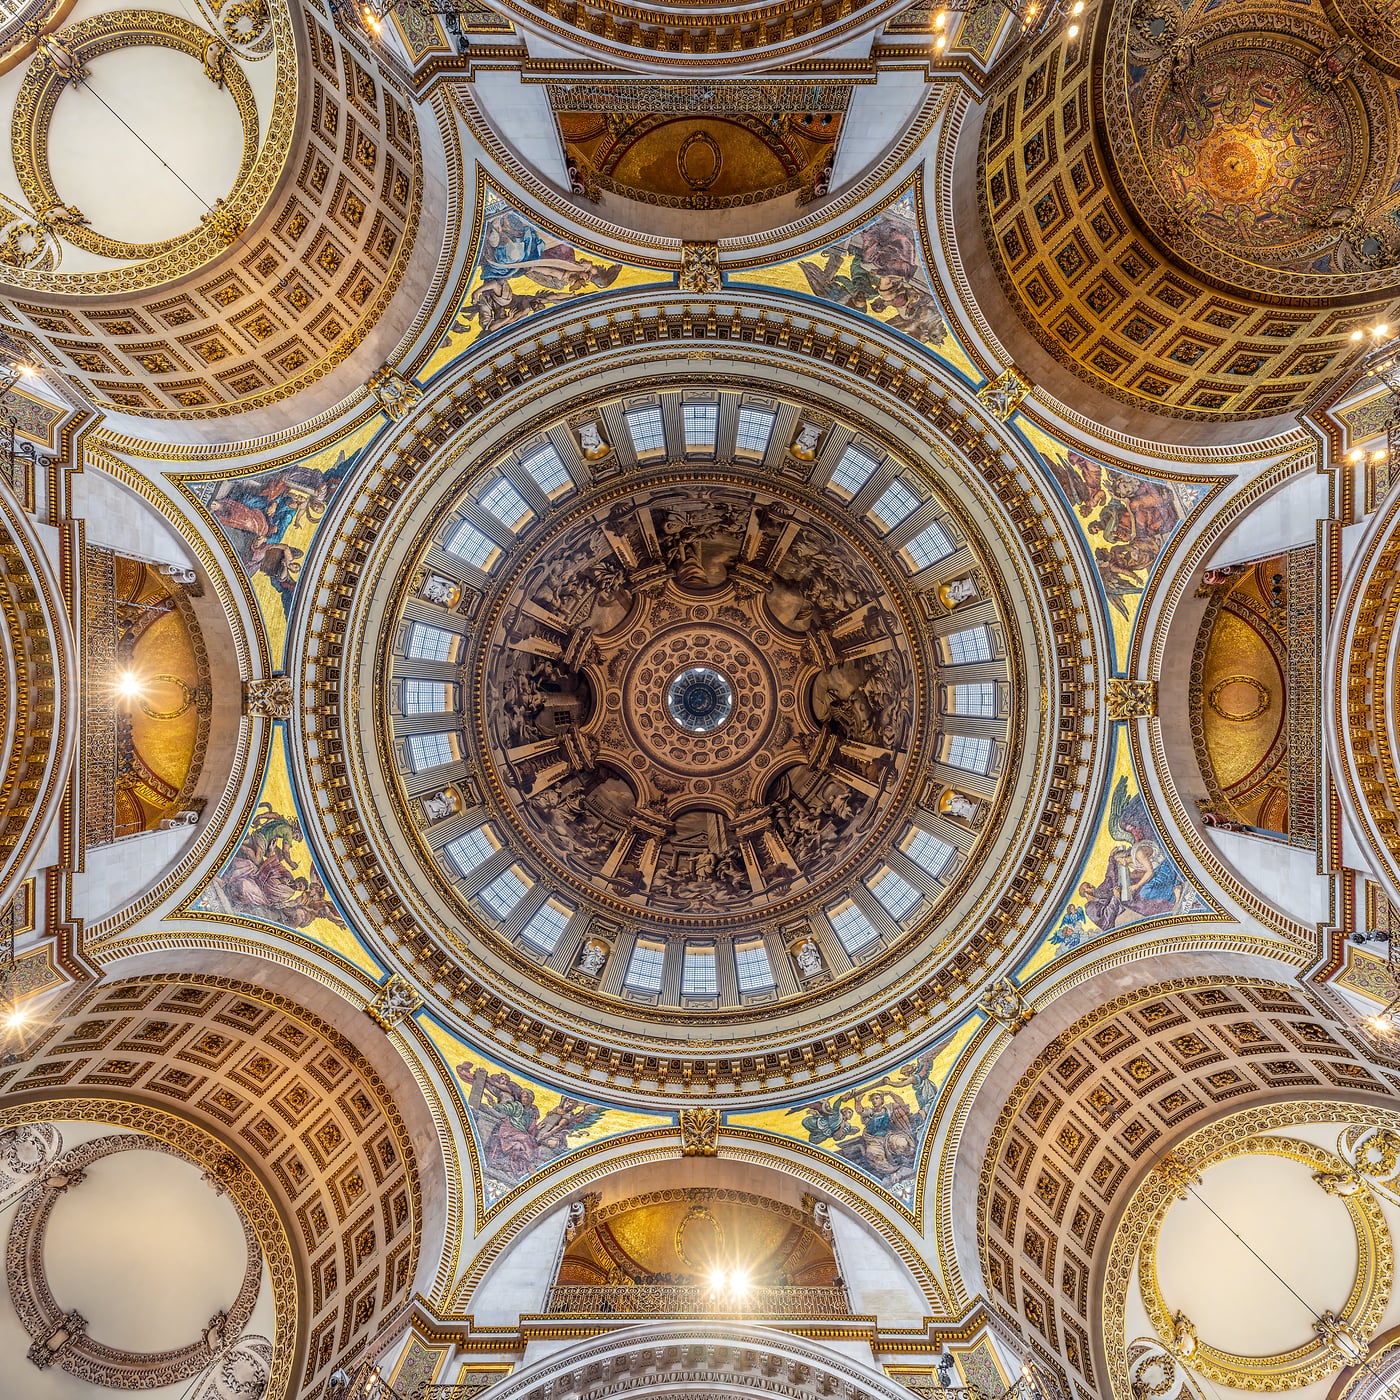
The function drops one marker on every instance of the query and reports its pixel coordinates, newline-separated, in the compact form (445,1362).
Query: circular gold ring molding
(43,85)
(1364,1306)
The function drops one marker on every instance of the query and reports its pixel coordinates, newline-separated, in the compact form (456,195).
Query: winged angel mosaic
(521,269)
(522,1126)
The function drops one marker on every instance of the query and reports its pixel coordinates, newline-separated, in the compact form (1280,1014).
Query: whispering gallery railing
(679,1300)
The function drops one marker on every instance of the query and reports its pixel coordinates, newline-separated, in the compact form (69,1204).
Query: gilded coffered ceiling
(1192,208)
(698,698)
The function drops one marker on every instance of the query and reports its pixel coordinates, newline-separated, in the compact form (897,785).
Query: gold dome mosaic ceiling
(1190,205)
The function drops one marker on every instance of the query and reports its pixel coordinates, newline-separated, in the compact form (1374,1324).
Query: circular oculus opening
(102,154)
(700,699)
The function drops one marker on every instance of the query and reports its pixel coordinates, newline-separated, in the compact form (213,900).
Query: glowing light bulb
(1077,8)
(1073,31)
(1379,456)
(940,19)
(1355,455)
(941,42)
(129,685)
(1381,1023)
(16,1018)
(1380,329)
(1356,335)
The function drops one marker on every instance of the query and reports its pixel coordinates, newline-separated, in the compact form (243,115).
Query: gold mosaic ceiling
(1190,207)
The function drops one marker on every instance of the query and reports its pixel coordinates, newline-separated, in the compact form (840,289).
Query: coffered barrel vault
(698,700)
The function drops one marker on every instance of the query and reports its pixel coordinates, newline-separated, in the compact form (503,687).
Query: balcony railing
(677,1300)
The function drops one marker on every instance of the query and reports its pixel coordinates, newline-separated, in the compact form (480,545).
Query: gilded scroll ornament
(700,267)
(1004,393)
(1129,700)
(268,698)
(396,394)
(396,999)
(699,1132)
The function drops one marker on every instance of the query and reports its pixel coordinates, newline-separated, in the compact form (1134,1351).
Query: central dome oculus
(700,699)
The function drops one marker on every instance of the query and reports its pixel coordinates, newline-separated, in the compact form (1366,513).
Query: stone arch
(1096,1105)
(875,1258)
(698,1359)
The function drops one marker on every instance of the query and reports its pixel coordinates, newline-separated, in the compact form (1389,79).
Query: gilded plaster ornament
(66,65)
(1184,1341)
(1344,1339)
(1178,1174)
(699,1132)
(396,999)
(700,267)
(268,698)
(396,394)
(1129,699)
(216,56)
(1004,1002)
(229,226)
(58,215)
(58,1342)
(1339,1183)
(1004,393)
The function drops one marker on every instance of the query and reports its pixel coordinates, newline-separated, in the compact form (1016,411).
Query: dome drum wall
(459,894)
(721,40)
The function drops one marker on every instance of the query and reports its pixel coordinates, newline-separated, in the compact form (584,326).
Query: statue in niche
(958,804)
(591,442)
(804,445)
(956,591)
(591,958)
(440,805)
(809,958)
(443,591)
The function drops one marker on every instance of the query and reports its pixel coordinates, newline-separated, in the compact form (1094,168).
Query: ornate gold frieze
(699,1132)
(270,697)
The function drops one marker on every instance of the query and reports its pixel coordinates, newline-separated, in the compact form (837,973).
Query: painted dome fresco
(699,700)
(702,700)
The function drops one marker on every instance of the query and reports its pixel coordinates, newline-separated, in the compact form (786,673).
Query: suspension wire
(1312,1312)
(87,84)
